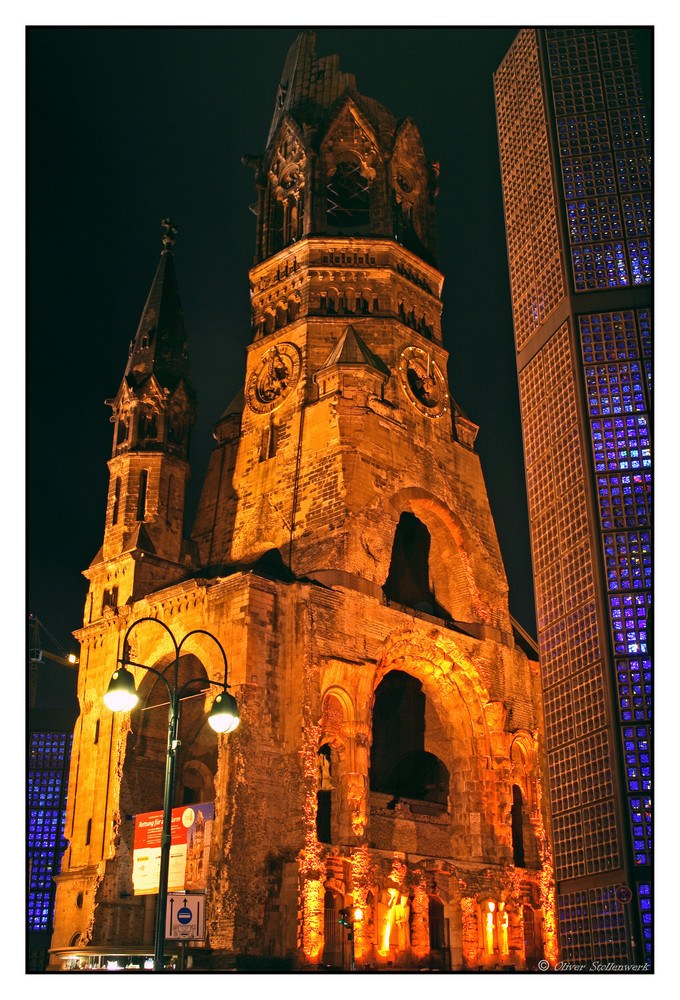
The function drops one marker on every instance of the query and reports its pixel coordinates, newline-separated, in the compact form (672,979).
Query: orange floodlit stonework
(389,757)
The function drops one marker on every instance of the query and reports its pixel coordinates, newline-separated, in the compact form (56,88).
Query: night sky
(126,126)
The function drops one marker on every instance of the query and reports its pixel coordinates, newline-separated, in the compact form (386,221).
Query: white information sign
(185,916)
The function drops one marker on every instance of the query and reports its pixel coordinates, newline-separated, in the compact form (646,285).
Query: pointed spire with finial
(160,346)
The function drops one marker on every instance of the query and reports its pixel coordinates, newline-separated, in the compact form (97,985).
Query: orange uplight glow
(470,931)
(311,866)
(502,924)
(546,883)
(389,921)
(488,930)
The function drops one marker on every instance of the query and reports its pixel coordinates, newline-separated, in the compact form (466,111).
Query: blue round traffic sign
(184,915)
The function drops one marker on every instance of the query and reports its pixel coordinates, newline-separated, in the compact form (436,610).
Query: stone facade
(389,754)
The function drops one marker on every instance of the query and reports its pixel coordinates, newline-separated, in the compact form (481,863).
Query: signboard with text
(189,851)
(185,916)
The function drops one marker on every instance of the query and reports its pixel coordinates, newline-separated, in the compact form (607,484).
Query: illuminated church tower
(574,149)
(389,755)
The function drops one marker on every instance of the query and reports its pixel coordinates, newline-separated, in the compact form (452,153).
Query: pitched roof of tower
(160,346)
(310,86)
(351,350)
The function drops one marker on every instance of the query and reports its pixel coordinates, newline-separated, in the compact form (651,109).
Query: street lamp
(121,696)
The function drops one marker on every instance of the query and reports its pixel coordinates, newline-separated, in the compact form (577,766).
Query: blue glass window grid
(625,501)
(634,677)
(584,135)
(574,920)
(600,265)
(628,560)
(49,756)
(632,170)
(640,261)
(593,219)
(589,176)
(615,388)
(621,443)
(641,827)
(607,924)
(636,743)
(629,614)
(609,337)
(637,214)
(645,903)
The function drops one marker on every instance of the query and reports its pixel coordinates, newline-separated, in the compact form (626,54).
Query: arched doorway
(439,934)
(333,932)
(532,938)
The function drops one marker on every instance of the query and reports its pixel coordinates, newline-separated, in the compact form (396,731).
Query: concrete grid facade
(575,162)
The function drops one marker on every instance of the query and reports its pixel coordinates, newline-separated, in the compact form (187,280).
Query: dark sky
(126,126)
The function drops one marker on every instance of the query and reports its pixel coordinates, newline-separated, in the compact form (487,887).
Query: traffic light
(344,917)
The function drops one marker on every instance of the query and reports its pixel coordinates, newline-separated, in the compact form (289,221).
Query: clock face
(423,382)
(276,374)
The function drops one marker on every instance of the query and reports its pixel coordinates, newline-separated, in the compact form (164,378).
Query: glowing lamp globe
(224,717)
(121,695)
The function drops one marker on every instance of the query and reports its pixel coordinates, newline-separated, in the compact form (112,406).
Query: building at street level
(390,751)
(574,149)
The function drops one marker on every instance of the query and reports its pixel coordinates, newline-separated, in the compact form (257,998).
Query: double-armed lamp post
(122,695)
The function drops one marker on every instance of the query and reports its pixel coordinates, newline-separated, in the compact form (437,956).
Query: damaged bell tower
(389,755)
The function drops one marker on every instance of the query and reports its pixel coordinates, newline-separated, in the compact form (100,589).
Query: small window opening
(141,495)
(324,796)
(88,832)
(96,732)
(116,501)
(110,598)
(517,827)
(264,444)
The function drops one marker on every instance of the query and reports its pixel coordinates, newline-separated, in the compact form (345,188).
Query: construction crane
(37,655)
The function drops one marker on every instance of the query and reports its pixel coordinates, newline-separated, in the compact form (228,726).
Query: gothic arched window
(408,581)
(348,201)
(400,765)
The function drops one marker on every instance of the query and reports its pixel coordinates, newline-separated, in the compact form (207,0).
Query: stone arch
(336,791)
(145,753)
(343,698)
(452,554)
(457,696)
(351,140)
(446,673)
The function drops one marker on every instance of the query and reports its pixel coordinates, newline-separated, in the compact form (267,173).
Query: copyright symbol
(543,965)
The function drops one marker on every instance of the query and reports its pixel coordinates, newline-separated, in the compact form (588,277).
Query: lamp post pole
(223,718)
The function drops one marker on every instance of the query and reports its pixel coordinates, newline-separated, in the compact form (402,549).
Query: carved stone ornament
(406,184)
(422,381)
(274,377)
(286,173)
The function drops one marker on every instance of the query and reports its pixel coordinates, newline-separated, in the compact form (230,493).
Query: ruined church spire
(160,346)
